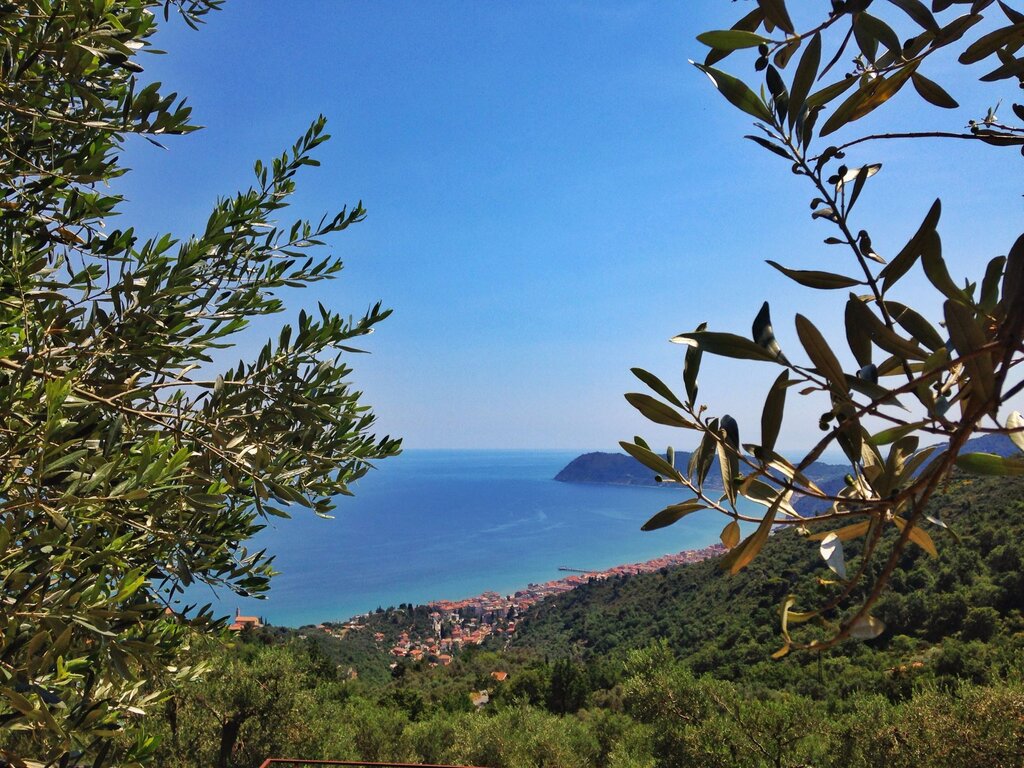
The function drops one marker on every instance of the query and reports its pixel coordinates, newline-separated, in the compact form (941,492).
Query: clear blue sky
(552,191)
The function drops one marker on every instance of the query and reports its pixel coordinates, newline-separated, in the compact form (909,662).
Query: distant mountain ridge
(998,444)
(620,469)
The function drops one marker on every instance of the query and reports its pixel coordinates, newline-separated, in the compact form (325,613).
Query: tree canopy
(136,458)
(901,393)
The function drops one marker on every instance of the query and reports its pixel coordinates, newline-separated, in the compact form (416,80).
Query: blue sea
(428,525)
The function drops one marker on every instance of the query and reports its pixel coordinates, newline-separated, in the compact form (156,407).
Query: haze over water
(428,525)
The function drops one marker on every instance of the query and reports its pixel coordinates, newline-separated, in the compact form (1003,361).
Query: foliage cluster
(130,467)
(897,376)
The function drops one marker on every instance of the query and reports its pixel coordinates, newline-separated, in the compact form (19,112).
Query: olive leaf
(915,325)
(764,336)
(736,92)
(917,11)
(774,407)
(988,44)
(651,460)
(731,534)
(935,268)
(867,323)
(748,23)
(657,411)
(731,39)
(990,464)
(724,344)
(917,535)
(728,449)
(803,78)
(691,367)
(656,384)
(846,533)
(741,556)
(775,12)
(989,297)
(932,92)
(816,279)
(968,337)
(821,355)
(867,98)
(672,514)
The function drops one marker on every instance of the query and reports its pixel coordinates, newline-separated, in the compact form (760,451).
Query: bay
(447,524)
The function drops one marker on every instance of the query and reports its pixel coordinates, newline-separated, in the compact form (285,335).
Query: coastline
(454,624)
(449,525)
(533,593)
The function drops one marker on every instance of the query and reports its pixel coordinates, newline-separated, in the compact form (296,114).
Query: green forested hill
(669,669)
(972,595)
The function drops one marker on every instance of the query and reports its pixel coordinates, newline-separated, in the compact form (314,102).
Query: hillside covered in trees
(972,595)
(671,668)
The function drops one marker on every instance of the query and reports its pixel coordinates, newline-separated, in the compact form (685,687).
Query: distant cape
(621,469)
(607,469)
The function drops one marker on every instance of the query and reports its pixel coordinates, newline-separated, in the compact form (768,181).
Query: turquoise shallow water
(447,524)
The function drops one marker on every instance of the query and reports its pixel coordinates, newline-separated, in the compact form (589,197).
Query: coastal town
(436,632)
